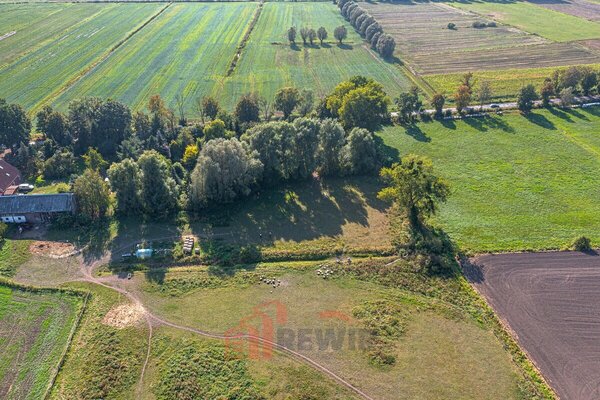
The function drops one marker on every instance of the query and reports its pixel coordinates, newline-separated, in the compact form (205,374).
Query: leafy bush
(451,25)
(582,244)
(479,24)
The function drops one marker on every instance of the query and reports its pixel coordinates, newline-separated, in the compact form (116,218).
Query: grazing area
(38,77)
(427,339)
(550,301)
(518,182)
(35,327)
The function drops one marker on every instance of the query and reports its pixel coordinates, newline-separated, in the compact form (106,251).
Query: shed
(9,176)
(35,208)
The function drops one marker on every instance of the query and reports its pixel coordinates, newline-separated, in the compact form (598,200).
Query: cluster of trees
(310,35)
(366,25)
(357,103)
(226,169)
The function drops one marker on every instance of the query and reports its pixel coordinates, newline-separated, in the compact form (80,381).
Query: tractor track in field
(151,319)
(87,70)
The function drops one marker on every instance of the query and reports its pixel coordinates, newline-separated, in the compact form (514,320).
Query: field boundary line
(86,71)
(580,143)
(241,47)
(63,356)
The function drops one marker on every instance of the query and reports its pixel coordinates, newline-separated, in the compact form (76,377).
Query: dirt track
(552,303)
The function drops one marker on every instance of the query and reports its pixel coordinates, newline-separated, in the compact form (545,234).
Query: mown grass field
(269,62)
(517,183)
(186,51)
(34,330)
(505,84)
(553,25)
(34,25)
(39,76)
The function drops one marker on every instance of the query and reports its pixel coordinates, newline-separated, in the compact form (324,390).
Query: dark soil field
(550,301)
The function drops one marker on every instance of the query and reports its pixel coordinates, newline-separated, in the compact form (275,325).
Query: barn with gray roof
(35,208)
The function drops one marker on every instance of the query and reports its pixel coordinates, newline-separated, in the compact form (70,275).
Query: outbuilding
(35,208)
(9,177)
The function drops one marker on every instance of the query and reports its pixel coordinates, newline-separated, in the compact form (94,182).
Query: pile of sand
(124,315)
(52,249)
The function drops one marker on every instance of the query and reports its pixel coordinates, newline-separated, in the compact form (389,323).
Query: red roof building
(9,176)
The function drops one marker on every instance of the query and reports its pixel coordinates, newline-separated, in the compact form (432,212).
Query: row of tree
(310,35)
(366,25)
(226,169)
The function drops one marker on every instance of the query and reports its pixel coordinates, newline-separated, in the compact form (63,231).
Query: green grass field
(454,355)
(34,330)
(12,254)
(505,84)
(269,62)
(547,23)
(517,183)
(35,25)
(186,50)
(39,76)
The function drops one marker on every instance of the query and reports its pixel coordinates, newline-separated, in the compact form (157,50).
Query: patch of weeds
(204,372)
(386,322)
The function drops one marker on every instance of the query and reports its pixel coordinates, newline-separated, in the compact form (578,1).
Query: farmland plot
(36,78)
(34,329)
(269,62)
(424,40)
(186,50)
(577,8)
(31,26)
(547,23)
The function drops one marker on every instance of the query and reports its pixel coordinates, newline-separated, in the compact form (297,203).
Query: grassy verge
(12,254)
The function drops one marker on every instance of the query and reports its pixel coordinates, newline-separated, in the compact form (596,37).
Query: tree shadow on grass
(294,47)
(448,124)
(326,46)
(576,113)
(417,133)
(540,120)
(345,46)
(557,112)
(388,154)
(483,124)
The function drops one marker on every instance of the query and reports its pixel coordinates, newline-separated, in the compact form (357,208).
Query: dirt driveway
(552,303)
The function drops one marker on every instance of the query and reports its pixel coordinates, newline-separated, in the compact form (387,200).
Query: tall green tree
(248,109)
(414,188)
(286,100)
(340,33)
(527,95)
(158,188)
(329,151)
(359,154)
(322,34)
(54,125)
(125,181)
(225,172)
(15,125)
(92,195)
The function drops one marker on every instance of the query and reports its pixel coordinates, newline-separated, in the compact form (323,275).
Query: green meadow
(517,183)
(35,328)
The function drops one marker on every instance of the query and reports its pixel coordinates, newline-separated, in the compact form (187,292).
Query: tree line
(368,27)
(158,162)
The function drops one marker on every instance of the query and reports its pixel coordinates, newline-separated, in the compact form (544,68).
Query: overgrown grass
(12,254)
(103,361)
(36,326)
(518,183)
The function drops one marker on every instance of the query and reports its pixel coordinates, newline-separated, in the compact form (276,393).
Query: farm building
(35,208)
(10,177)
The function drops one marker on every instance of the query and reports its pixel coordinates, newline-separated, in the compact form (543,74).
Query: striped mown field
(269,62)
(29,27)
(39,76)
(186,50)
